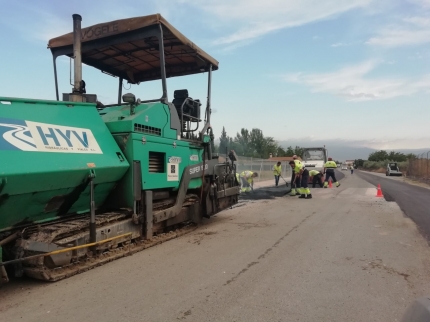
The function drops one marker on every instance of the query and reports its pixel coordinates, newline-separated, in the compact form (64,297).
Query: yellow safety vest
(313,173)
(330,165)
(298,166)
(247,175)
(277,170)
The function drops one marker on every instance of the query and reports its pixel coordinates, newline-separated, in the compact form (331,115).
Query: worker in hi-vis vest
(301,175)
(316,178)
(277,170)
(247,180)
(329,167)
(295,184)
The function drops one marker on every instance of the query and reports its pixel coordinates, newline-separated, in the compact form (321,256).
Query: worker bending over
(301,174)
(295,184)
(247,180)
(316,178)
(277,170)
(329,167)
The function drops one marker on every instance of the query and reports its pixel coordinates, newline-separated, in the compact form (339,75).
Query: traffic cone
(379,191)
(330,185)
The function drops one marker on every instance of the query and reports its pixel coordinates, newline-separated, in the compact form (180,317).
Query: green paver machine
(82,183)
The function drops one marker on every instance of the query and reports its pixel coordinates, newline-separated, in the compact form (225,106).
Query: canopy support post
(164,98)
(120,90)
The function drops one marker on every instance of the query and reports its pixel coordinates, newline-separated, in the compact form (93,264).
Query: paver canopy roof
(129,48)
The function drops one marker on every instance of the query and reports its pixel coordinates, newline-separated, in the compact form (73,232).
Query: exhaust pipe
(78,84)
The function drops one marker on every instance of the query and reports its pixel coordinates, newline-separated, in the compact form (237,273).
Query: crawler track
(82,265)
(65,233)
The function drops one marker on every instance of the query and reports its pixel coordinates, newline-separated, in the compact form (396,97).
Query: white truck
(314,158)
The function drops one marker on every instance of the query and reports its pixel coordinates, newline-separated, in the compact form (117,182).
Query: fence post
(427,164)
(260,174)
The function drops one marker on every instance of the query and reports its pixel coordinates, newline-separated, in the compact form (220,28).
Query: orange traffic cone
(379,191)
(330,185)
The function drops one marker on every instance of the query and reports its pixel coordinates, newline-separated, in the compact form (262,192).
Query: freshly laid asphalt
(413,200)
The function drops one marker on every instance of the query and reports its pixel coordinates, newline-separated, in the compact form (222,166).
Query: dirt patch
(260,224)
(378,264)
(420,182)
(380,170)
(197,238)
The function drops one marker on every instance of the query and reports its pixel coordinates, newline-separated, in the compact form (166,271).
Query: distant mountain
(343,151)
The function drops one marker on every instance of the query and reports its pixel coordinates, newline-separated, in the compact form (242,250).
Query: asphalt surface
(266,190)
(344,255)
(413,200)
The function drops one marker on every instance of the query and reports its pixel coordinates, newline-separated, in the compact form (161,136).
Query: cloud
(406,31)
(418,21)
(339,44)
(397,37)
(52,25)
(354,84)
(44,21)
(254,18)
(421,3)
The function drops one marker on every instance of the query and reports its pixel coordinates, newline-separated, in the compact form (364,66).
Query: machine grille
(156,162)
(147,129)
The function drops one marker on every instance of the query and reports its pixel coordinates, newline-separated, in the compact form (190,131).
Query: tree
(384,155)
(223,141)
(396,156)
(289,152)
(298,151)
(254,144)
(280,152)
(243,141)
(359,162)
(258,143)
(378,156)
(233,145)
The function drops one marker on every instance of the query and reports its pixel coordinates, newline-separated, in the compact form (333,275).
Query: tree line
(253,143)
(384,156)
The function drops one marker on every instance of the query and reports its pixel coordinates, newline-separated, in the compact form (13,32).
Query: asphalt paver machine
(83,183)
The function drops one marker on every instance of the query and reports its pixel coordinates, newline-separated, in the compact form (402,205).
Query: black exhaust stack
(79,84)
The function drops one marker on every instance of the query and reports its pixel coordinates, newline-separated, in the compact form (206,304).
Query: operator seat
(180,96)
(191,107)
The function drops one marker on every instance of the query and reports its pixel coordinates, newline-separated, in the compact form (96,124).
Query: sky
(302,71)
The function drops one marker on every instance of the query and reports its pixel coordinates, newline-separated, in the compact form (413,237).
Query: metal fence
(419,167)
(263,167)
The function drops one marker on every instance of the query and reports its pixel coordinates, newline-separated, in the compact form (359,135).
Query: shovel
(284,180)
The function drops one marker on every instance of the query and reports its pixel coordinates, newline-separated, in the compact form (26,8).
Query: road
(344,255)
(412,199)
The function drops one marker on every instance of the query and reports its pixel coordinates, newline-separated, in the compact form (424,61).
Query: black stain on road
(267,252)
(270,193)
(378,264)
(184,316)
(241,272)
(267,193)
